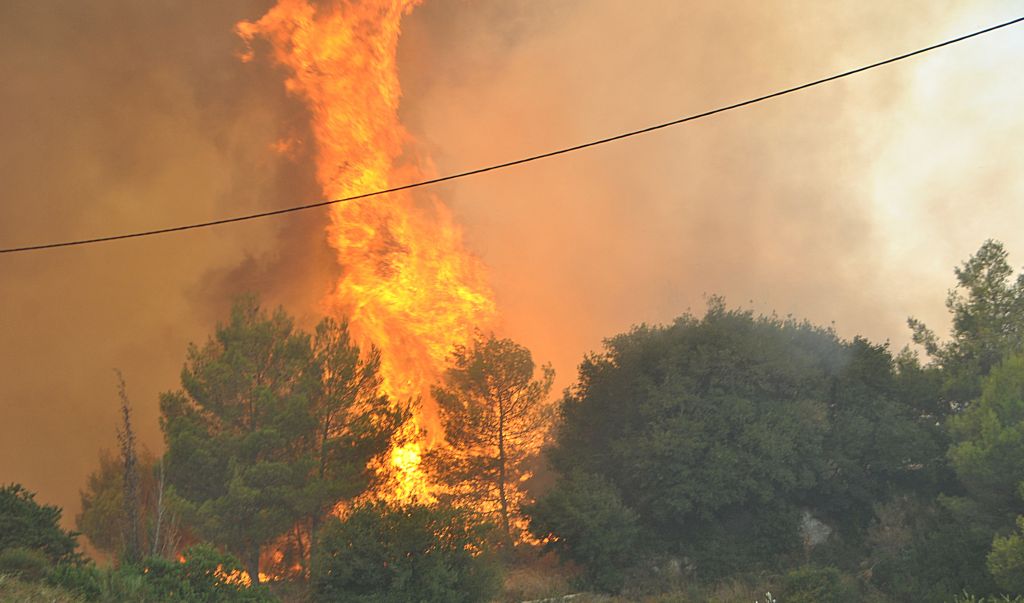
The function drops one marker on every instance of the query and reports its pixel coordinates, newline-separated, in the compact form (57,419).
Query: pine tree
(494,413)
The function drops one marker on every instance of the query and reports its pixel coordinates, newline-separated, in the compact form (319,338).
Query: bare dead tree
(158,526)
(129,459)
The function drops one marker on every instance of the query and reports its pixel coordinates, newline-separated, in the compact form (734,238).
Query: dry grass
(534,582)
(12,589)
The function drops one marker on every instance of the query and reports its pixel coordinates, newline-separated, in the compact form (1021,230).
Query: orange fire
(408,285)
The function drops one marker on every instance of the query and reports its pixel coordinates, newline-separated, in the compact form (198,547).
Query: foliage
(1006,560)
(351,419)
(987,308)
(27,564)
(880,437)
(205,575)
(988,440)
(84,580)
(593,527)
(102,515)
(716,432)
(14,589)
(924,551)
(810,584)
(944,543)
(494,414)
(24,523)
(131,533)
(266,432)
(412,553)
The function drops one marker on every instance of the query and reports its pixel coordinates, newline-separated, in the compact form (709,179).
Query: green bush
(201,578)
(942,553)
(84,580)
(1006,560)
(816,585)
(380,554)
(13,589)
(27,564)
(595,529)
(24,523)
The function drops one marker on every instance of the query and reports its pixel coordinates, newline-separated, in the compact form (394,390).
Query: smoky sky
(116,116)
(847,205)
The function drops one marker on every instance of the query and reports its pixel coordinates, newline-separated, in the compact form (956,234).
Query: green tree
(987,308)
(880,440)
(102,516)
(353,421)
(718,432)
(711,431)
(974,379)
(272,428)
(1006,560)
(26,524)
(101,519)
(932,550)
(494,413)
(379,554)
(988,441)
(131,501)
(988,456)
(231,432)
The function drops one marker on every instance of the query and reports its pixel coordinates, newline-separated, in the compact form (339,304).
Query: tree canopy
(26,524)
(987,312)
(494,414)
(718,432)
(272,427)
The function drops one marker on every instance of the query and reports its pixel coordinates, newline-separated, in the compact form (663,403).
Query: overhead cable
(515,162)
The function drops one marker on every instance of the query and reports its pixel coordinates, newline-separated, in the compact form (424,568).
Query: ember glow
(408,285)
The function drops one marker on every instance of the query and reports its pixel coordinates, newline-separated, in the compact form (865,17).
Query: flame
(408,285)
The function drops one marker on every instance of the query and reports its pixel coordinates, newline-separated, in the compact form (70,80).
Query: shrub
(1006,560)
(381,554)
(593,527)
(206,575)
(84,580)
(13,589)
(816,585)
(24,523)
(30,565)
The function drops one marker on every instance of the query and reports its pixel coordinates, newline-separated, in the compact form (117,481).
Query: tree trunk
(252,564)
(503,498)
(314,526)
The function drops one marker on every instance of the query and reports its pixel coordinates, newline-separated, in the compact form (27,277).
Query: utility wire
(507,164)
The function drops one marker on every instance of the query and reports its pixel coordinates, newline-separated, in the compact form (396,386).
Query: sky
(848,205)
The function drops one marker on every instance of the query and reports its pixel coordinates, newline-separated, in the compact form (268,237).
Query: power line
(507,164)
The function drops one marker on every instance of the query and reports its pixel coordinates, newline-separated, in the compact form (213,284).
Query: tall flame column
(408,284)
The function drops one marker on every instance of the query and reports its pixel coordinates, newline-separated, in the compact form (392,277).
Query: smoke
(121,116)
(846,204)
(849,203)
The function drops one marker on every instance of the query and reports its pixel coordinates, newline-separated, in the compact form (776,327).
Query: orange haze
(850,203)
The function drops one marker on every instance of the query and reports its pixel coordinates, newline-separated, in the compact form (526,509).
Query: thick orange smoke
(407,285)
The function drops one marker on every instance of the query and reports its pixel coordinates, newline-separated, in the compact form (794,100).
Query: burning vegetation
(408,285)
(385,454)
